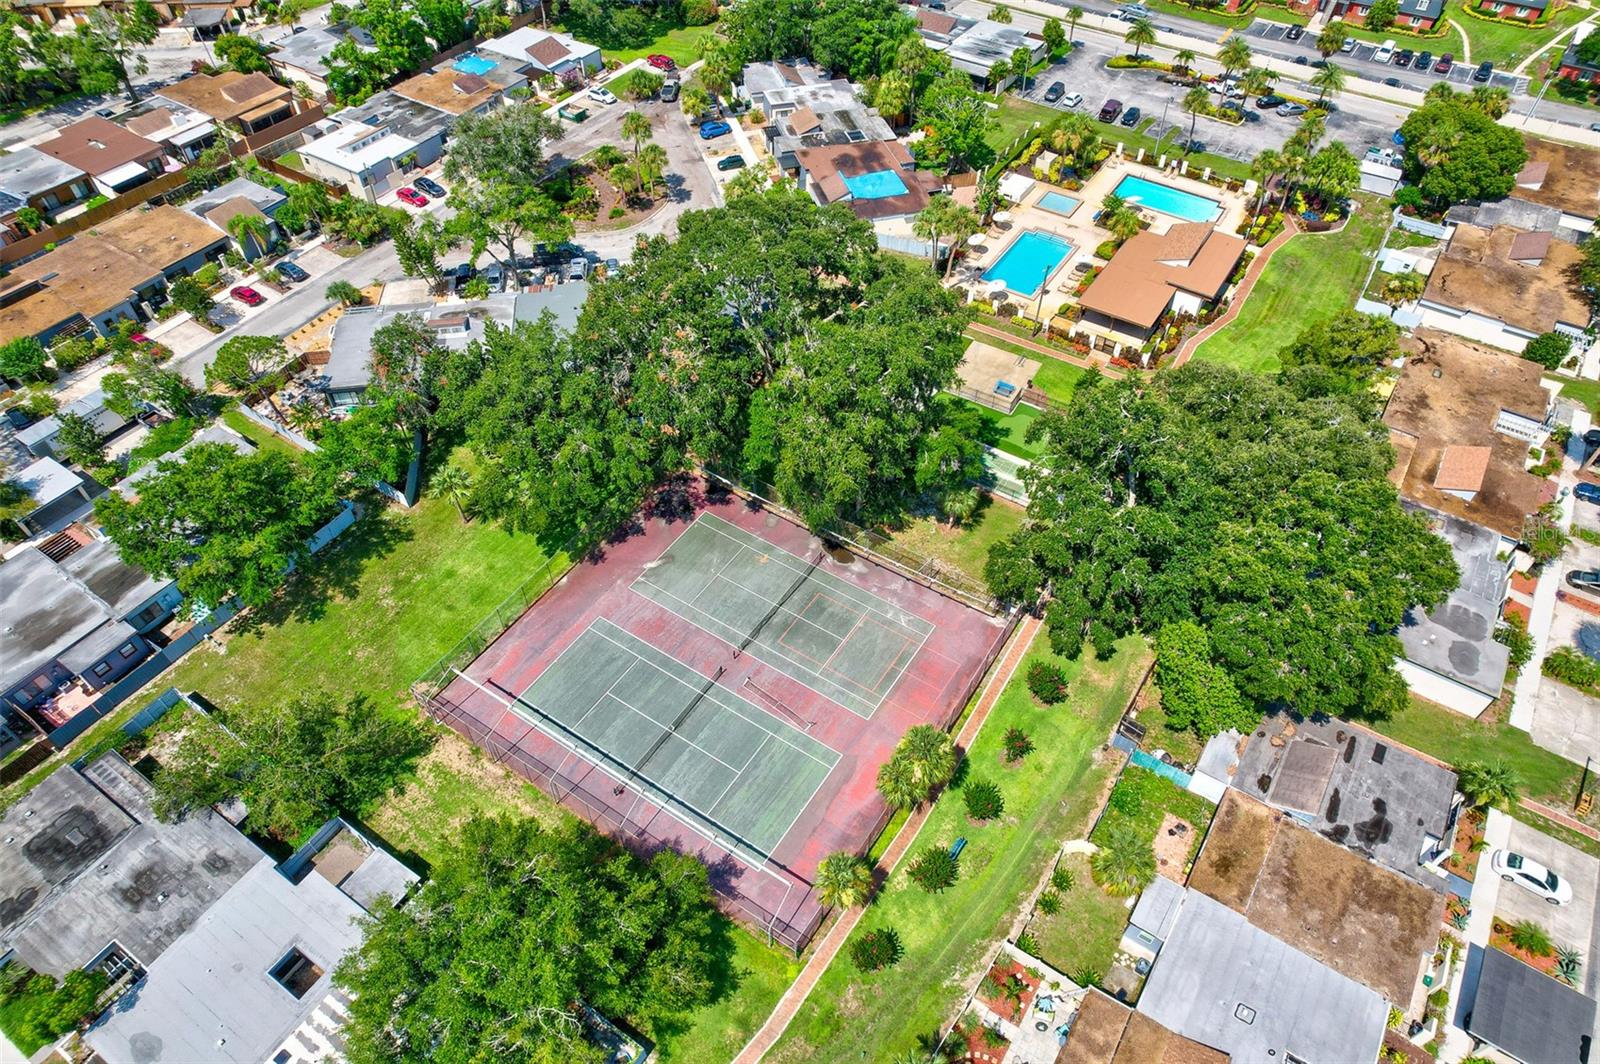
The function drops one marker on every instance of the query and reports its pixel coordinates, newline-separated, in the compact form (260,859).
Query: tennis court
(842,642)
(680,737)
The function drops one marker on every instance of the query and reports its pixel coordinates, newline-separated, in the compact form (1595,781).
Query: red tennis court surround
(718,681)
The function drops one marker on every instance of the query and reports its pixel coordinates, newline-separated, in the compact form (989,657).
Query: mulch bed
(1415,1054)
(979,1051)
(634,209)
(1464,861)
(1500,938)
(1001,973)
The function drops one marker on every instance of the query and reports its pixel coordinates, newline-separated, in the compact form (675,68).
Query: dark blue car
(714,129)
(1588,492)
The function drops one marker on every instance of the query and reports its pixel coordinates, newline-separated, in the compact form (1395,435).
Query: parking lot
(1572,924)
(1359,60)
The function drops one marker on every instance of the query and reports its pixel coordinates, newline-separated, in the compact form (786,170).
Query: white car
(1072,99)
(601,94)
(1385,53)
(1530,875)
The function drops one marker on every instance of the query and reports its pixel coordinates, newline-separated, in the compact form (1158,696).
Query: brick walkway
(1257,266)
(1048,352)
(834,940)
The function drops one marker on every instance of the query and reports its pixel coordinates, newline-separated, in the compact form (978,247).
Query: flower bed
(1500,938)
(1009,974)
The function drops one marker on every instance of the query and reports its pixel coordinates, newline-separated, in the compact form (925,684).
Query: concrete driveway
(1573,924)
(1566,721)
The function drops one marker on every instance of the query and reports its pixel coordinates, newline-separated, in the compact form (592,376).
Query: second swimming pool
(473,63)
(1168,200)
(1058,203)
(1027,264)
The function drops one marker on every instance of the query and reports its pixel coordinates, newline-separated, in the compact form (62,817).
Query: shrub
(1063,878)
(1571,666)
(700,12)
(1106,249)
(878,948)
(209,275)
(344,292)
(983,800)
(1087,976)
(23,359)
(1125,863)
(1549,350)
(69,354)
(1017,744)
(1531,937)
(37,1010)
(1047,682)
(1515,636)
(934,870)
(1028,944)
(1050,902)
(616,212)
(1569,965)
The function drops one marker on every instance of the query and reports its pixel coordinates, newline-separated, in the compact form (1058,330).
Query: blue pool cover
(472,63)
(879,184)
(1168,200)
(1029,262)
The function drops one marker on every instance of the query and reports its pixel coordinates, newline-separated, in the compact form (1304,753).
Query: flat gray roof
(1528,1014)
(308,50)
(1373,798)
(1158,906)
(1224,982)
(100,568)
(407,118)
(266,199)
(1456,639)
(28,172)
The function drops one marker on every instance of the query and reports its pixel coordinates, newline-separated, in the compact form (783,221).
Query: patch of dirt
(1236,847)
(1172,844)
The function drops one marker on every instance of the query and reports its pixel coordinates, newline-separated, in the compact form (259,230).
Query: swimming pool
(1058,203)
(473,63)
(879,184)
(1168,200)
(1027,264)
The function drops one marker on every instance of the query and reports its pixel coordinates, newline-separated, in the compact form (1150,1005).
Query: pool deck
(1079,230)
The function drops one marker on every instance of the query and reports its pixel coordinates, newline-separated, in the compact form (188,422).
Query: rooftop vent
(1244,1013)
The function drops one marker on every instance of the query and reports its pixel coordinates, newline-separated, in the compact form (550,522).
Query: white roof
(357,147)
(125,172)
(1015,186)
(46,480)
(194,133)
(515,44)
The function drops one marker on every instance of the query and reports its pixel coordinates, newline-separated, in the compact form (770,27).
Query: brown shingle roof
(1138,284)
(1476,272)
(548,52)
(936,22)
(803,121)
(1529,247)
(1181,242)
(827,167)
(1462,468)
(228,95)
(97,146)
(227,211)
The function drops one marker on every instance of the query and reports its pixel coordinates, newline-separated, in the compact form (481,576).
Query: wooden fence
(29,246)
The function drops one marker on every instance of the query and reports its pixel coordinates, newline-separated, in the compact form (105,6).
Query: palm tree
(1074,16)
(997,75)
(1328,81)
(843,881)
(1078,139)
(250,229)
(1332,38)
(932,222)
(1125,863)
(652,164)
(1267,165)
(1489,784)
(1141,34)
(1123,223)
(1257,81)
(960,222)
(1021,64)
(930,752)
(1184,58)
(1403,288)
(636,127)
(897,783)
(1439,92)
(1491,100)
(1235,55)
(452,482)
(1196,101)
(893,95)
(1000,14)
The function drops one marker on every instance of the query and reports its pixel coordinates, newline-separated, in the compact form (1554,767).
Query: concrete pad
(317,261)
(186,337)
(1572,924)
(984,365)
(406,290)
(1566,721)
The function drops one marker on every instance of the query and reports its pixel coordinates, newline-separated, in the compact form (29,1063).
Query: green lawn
(257,435)
(1454,738)
(1010,430)
(748,986)
(1507,45)
(851,1016)
(1142,799)
(1058,379)
(1584,391)
(965,548)
(1083,935)
(682,43)
(1016,114)
(1310,278)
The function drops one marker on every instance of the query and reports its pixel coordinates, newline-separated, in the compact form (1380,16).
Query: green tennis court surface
(842,642)
(616,700)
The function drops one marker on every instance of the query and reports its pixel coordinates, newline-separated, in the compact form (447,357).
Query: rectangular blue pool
(1058,203)
(1027,264)
(1167,200)
(879,184)
(473,63)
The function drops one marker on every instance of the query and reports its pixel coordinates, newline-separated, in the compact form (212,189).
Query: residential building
(73,12)
(1105,1031)
(116,159)
(1505,286)
(41,181)
(99,882)
(1225,983)
(303,56)
(77,618)
(41,437)
(1526,1015)
(1154,916)
(1181,271)
(119,270)
(806,109)
(216,432)
(976,45)
(59,495)
(240,103)
(878,180)
(182,132)
(1523,10)
(455,325)
(1350,786)
(1564,177)
(1461,420)
(371,148)
(1575,68)
(452,92)
(538,52)
(1414,14)
(241,196)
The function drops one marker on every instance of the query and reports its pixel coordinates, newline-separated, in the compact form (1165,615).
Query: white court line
(575,725)
(675,735)
(712,579)
(873,602)
(737,776)
(758,724)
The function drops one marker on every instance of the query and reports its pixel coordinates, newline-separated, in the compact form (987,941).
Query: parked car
(1393,83)
(1444,64)
(613,267)
(1192,147)
(1484,72)
(431,187)
(732,162)
(1384,53)
(463,273)
(1348,46)
(714,129)
(248,296)
(1588,492)
(577,268)
(1530,875)
(669,90)
(1292,110)
(1403,57)
(413,197)
(292,271)
(1072,100)
(1130,117)
(1110,110)
(1270,101)
(1054,92)
(1302,60)
(601,94)
(1585,579)
(1594,127)
(1294,33)
(495,274)
(661,62)
(1424,62)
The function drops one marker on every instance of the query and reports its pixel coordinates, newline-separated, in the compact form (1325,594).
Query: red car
(413,197)
(248,296)
(661,62)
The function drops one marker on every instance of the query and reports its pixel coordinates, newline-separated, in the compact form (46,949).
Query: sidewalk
(1236,301)
(1456,1044)
(824,952)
